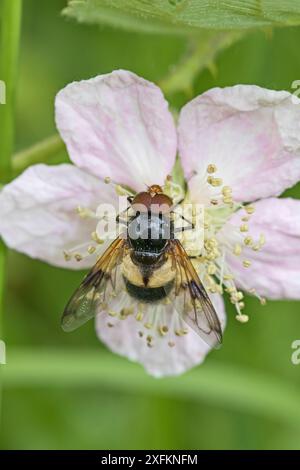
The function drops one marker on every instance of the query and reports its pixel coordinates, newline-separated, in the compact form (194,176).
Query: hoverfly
(151,266)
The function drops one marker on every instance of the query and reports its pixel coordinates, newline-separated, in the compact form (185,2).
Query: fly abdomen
(148,294)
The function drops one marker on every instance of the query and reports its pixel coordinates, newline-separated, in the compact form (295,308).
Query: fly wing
(190,298)
(99,285)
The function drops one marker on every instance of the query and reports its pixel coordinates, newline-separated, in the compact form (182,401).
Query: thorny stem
(201,54)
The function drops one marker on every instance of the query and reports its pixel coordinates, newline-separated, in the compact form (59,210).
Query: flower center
(220,239)
(209,239)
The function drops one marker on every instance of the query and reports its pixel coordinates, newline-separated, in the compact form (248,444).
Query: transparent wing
(99,285)
(190,298)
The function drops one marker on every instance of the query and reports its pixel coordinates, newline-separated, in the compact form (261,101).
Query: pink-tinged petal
(38,212)
(118,125)
(275,269)
(128,338)
(251,134)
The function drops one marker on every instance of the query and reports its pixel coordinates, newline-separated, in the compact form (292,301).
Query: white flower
(237,145)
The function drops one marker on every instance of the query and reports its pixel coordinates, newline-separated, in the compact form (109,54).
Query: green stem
(44,151)
(201,54)
(10,36)
(9,43)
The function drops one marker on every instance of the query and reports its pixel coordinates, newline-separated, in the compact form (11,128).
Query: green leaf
(185,16)
(223,385)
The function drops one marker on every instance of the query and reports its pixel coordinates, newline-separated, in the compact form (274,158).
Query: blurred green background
(65,391)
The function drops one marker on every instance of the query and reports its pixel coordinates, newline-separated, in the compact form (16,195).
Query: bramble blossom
(239,149)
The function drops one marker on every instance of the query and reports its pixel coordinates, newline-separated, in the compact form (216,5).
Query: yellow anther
(107,180)
(237,249)
(96,239)
(67,256)
(181,332)
(250,209)
(241,305)
(244,228)
(226,191)
(246,263)
(214,181)
(230,290)
(214,202)
(242,318)
(228,277)
(148,326)
(227,200)
(78,257)
(84,212)
(139,316)
(262,239)
(163,330)
(211,168)
(91,249)
(112,313)
(240,295)
(211,268)
(219,289)
(212,289)
(125,312)
(120,190)
(256,247)
(248,241)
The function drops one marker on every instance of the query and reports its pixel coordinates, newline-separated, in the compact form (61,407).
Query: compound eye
(161,203)
(141,202)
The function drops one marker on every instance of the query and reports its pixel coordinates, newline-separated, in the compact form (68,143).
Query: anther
(237,249)
(248,241)
(67,256)
(250,209)
(96,239)
(139,316)
(163,330)
(242,318)
(214,181)
(244,228)
(211,168)
(246,263)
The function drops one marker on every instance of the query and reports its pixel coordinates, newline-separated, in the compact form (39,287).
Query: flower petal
(118,125)
(251,134)
(129,338)
(275,270)
(38,212)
